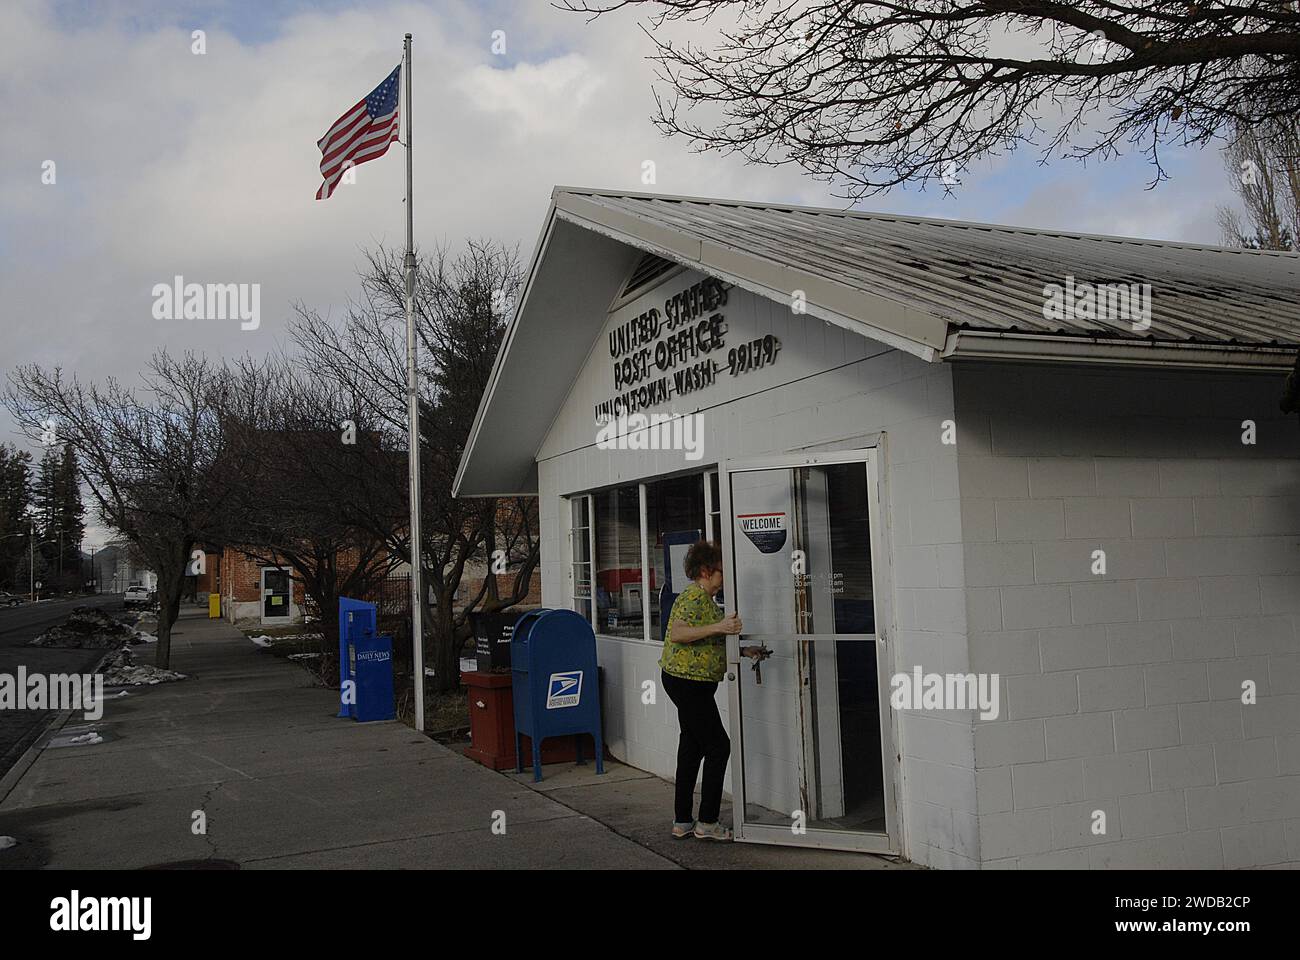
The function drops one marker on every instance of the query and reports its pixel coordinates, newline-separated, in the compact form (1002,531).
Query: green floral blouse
(705,659)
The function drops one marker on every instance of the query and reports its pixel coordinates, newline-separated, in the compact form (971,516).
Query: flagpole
(413,424)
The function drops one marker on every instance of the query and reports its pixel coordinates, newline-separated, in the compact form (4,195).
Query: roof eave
(1007,345)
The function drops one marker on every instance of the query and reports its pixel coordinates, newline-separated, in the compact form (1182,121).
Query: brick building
(256,593)
(253,592)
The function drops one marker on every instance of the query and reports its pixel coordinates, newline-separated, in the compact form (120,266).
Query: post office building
(1016,513)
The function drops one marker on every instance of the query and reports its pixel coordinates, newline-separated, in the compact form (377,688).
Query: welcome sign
(765,530)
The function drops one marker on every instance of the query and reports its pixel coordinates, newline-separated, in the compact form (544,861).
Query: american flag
(362,133)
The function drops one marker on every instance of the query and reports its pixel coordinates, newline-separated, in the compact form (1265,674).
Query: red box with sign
(492,726)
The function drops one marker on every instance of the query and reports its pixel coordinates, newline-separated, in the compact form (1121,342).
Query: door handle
(763,654)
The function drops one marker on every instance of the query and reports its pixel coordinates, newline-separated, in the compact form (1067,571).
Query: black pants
(702,738)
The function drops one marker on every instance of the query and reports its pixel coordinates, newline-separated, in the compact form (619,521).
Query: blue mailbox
(556,692)
(365,664)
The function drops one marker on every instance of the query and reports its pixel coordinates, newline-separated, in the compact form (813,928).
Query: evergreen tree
(60,515)
(15,505)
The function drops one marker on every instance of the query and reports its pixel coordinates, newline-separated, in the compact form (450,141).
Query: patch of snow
(303,656)
(84,740)
(262,641)
(142,637)
(85,628)
(123,671)
(112,696)
(7,842)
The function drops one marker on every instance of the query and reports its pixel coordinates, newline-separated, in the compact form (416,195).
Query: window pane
(850,544)
(579,512)
(581,581)
(580,556)
(715,507)
(674,506)
(619,599)
(579,536)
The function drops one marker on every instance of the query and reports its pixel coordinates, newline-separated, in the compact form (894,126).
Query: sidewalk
(283,783)
(638,805)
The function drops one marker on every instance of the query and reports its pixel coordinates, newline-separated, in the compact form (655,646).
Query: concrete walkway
(639,805)
(252,744)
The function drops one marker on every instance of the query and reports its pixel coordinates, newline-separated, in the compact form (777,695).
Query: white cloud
(205,166)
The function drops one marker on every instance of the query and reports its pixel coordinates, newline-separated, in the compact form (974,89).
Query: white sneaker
(683,829)
(712,831)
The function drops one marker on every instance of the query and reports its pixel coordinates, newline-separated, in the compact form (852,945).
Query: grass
(290,639)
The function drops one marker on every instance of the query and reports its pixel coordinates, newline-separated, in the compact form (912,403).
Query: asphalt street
(18,625)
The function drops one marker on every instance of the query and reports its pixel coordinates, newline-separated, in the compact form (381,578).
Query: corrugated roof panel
(990,277)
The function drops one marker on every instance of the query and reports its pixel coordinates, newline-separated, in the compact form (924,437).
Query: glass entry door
(275,594)
(813,761)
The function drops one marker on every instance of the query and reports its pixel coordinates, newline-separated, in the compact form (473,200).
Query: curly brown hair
(702,556)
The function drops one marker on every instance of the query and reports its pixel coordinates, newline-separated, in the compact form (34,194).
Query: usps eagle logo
(564,690)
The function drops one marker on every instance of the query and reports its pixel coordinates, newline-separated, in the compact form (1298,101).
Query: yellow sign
(214,606)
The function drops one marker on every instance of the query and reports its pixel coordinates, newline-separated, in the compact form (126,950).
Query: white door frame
(869,842)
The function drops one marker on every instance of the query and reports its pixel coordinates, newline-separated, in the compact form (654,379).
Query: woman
(693,663)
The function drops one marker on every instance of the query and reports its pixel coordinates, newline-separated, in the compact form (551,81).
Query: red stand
(492,726)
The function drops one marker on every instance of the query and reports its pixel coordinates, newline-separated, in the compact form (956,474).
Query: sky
(169,162)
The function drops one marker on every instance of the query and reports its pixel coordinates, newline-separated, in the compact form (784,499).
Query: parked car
(137,597)
(10,599)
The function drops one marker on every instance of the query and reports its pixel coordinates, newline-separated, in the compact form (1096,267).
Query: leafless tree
(147,457)
(319,495)
(869,94)
(1263,164)
(460,305)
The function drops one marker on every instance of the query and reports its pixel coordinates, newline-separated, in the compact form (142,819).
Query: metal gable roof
(985,277)
(939,289)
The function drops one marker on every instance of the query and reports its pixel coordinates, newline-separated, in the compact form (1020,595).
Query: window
(619,594)
(580,552)
(712,507)
(617,543)
(674,510)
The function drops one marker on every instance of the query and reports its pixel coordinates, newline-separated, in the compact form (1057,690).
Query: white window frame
(645,555)
(591,556)
(711,532)
(711,509)
(645,568)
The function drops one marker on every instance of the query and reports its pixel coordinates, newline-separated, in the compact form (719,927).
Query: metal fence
(392,597)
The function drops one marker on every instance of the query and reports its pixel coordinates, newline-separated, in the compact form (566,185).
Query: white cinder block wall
(1122,693)
(829,390)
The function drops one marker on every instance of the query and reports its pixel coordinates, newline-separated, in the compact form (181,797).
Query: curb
(36,747)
